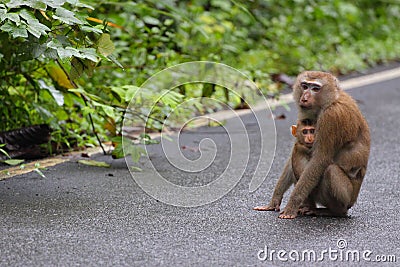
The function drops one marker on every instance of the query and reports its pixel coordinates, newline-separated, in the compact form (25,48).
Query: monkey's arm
(284,182)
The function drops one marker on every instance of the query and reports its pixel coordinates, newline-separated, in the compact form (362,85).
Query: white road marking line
(346,85)
(371,79)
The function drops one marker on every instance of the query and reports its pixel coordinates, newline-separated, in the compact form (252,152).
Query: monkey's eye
(316,88)
(312,131)
(304,131)
(304,86)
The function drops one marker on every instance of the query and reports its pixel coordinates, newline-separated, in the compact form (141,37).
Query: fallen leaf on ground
(13,162)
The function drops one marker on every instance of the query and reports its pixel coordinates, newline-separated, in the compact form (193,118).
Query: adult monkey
(342,137)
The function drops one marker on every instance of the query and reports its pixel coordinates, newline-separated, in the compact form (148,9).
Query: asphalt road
(90,216)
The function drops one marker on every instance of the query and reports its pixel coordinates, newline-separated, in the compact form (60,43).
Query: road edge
(351,83)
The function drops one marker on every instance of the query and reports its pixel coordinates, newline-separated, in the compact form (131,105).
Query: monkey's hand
(288,213)
(274,205)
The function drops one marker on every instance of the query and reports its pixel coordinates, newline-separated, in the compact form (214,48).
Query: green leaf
(136,153)
(119,91)
(43,111)
(68,52)
(55,44)
(91,29)
(224,5)
(67,16)
(171,98)
(208,90)
(168,22)
(40,173)
(79,4)
(3,151)
(8,27)
(136,169)
(89,67)
(82,91)
(14,162)
(27,15)
(104,45)
(14,17)
(125,147)
(118,152)
(95,163)
(37,165)
(56,3)
(115,61)
(77,68)
(34,26)
(109,111)
(151,20)
(20,32)
(51,53)
(16,31)
(57,95)
(131,149)
(86,110)
(37,29)
(89,53)
(36,4)
(131,92)
(145,139)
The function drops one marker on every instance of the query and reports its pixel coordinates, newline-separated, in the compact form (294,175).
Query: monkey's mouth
(306,106)
(309,145)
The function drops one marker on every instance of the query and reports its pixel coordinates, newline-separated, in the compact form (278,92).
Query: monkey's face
(307,136)
(313,89)
(310,90)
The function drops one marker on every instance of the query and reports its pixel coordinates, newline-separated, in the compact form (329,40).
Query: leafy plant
(77,66)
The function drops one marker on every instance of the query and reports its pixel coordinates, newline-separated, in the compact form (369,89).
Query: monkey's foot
(308,210)
(267,208)
(287,214)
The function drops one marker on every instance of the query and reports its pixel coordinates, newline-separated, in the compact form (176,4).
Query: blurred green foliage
(62,61)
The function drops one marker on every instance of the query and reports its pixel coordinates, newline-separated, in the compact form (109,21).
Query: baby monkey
(304,132)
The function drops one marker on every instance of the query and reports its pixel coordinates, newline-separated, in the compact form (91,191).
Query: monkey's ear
(337,83)
(294,130)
